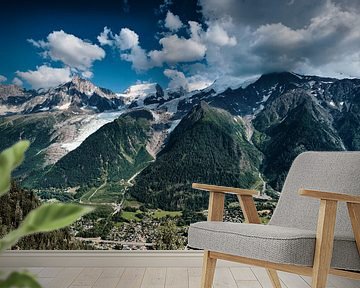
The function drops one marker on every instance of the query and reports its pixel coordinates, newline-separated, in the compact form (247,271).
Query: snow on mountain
(138,93)
(70,133)
(223,83)
(85,107)
(90,125)
(78,95)
(10,90)
(12,97)
(89,89)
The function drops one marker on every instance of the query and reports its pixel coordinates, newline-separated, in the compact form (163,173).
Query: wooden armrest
(222,189)
(327,220)
(323,195)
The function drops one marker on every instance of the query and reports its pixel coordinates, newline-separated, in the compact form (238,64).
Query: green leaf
(10,159)
(10,239)
(20,280)
(19,150)
(47,217)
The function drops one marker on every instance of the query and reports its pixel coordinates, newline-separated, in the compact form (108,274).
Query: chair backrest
(325,171)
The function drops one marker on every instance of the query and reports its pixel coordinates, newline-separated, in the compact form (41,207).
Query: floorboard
(132,278)
(170,277)
(177,278)
(154,278)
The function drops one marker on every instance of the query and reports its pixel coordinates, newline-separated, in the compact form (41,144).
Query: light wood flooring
(167,277)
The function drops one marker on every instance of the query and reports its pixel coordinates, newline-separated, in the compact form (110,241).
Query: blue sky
(176,43)
(85,20)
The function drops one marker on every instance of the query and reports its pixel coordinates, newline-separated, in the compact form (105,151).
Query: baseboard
(83,258)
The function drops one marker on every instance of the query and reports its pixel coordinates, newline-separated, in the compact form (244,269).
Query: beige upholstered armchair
(315,229)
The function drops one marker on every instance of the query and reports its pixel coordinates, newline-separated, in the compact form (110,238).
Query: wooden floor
(171,277)
(150,269)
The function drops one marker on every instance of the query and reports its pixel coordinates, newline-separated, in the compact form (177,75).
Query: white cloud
(195,30)
(70,50)
(17,81)
(127,39)
(176,50)
(106,37)
(37,44)
(87,74)
(178,80)
(198,82)
(2,79)
(217,35)
(172,22)
(330,38)
(45,76)
(138,57)
(322,41)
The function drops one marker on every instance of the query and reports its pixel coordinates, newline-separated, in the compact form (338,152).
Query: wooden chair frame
(324,236)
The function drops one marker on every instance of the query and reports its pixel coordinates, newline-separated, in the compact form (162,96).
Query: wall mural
(199,103)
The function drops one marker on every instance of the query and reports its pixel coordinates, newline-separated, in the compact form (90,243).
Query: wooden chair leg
(208,270)
(251,216)
(354,212)
(274,278)
(324,243)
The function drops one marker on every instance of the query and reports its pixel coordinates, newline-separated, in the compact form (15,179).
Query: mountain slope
(208,146)
(291,126)
(38,129)
(114,152)
(347,116)
(284,114)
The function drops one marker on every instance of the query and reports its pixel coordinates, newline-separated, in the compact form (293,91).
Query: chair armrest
(327,218)
(222,189)
(323,195)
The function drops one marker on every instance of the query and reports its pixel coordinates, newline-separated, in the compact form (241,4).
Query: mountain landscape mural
(145,153)
(126,122)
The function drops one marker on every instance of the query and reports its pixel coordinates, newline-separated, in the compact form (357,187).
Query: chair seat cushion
(270,243)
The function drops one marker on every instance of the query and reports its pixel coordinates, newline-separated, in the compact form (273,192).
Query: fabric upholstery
(270,243)
(290,235)
(325,171)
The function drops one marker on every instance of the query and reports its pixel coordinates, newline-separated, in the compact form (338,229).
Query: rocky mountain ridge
(79,96)
(279,115)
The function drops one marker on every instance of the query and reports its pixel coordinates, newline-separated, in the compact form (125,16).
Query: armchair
(312,232)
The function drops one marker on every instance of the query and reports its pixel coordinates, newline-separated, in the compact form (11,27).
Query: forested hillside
(290,128)
(114,152)
(210,146)
(38,129)
(14,206)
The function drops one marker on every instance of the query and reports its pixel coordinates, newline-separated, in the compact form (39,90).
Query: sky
(176,43)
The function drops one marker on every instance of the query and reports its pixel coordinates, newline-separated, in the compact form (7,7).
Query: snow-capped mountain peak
(139,92)
(10,90)
(226,82)
(83,85)
(78,96)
